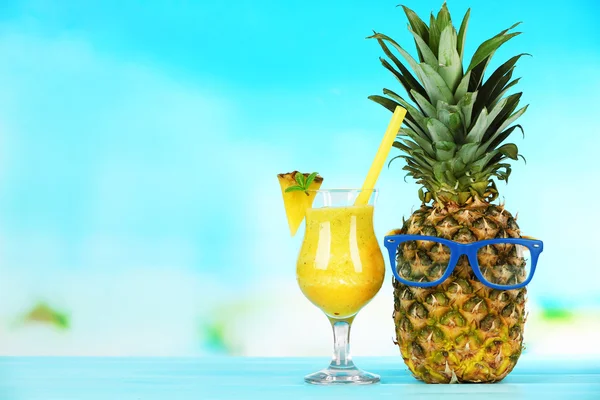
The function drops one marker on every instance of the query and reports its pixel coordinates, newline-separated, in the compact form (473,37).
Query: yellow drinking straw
(380,157)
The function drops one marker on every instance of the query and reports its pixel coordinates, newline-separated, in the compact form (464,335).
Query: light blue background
(139,143)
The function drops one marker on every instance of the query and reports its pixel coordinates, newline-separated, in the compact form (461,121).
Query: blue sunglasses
(450,251)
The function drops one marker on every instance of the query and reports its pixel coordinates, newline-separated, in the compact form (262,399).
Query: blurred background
(140,212)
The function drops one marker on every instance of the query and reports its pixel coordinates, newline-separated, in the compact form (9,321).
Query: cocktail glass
(340,269)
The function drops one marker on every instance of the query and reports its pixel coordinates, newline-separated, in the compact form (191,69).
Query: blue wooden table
(271,378)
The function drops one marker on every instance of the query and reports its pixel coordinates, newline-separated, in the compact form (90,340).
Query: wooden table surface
(23,378)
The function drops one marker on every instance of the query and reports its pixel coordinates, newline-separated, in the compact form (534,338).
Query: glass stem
(341,344)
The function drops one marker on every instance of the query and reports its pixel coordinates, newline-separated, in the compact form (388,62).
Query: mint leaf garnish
(300,179)
(303,183)
(310,179)
(294,189)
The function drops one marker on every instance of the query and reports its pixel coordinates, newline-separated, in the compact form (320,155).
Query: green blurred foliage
(555,314)
(45,314)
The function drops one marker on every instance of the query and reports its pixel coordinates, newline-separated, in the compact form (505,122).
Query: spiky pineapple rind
(460,330)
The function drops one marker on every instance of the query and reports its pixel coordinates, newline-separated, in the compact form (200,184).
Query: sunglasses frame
(458,249)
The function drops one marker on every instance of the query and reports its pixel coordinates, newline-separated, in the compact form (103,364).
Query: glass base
(335,375)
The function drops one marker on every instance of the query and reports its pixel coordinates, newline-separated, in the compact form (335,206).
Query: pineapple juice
(340,267)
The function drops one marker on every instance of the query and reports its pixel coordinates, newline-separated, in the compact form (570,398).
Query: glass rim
(342,190)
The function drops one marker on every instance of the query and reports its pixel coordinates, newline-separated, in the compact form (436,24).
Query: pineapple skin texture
(460,330)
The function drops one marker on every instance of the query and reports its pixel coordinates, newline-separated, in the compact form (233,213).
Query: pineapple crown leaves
(457,121)
(303,183)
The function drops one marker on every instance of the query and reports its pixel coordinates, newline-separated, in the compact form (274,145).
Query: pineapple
(453,144)
(297,201)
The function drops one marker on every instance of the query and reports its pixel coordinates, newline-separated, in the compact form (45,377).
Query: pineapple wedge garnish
(296,202)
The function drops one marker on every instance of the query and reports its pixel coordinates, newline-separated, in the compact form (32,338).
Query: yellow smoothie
(340,267)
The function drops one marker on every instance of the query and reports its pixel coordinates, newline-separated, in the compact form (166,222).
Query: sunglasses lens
(422,260)
(504,264)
